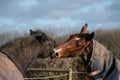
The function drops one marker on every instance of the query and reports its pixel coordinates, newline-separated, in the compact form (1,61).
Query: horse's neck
(87,53)
(21,54)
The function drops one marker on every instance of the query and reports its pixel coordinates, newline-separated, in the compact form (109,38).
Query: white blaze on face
(77,38)
(57,50)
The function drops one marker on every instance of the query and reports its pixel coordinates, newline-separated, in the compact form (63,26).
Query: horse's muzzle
(54,54)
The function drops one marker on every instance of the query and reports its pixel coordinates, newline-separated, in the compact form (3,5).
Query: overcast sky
(62,14)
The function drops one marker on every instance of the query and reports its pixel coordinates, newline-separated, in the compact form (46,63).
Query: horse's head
(44,41)
(75,45)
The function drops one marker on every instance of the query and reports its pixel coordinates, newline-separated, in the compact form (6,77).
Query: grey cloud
(102,16)
(114,11)
(57,9)
(50,8)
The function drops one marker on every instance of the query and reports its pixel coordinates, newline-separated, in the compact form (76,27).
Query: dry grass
(110,39)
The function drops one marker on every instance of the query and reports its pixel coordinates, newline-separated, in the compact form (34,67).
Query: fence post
(70,74)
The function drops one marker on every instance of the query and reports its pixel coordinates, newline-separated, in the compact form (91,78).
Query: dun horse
(99,62)
(17,55)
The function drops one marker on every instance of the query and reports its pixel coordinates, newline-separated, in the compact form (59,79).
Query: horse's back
(8,70)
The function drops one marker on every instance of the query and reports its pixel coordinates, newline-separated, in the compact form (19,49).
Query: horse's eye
(77,45)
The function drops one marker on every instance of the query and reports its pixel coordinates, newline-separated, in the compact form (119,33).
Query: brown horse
(99,62)
(17,55)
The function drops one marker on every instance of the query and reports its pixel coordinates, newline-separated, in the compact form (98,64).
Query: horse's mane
(18,42)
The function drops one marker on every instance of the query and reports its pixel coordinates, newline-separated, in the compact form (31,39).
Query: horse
(99,62)
(17,55)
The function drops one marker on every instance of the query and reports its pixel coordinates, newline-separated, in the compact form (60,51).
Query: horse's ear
(31,31)
(91,36)
(84,28)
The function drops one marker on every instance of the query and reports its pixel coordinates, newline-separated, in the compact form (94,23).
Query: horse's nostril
(56,54)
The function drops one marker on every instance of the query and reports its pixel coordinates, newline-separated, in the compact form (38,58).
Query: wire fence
(46,77)
(68,73)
